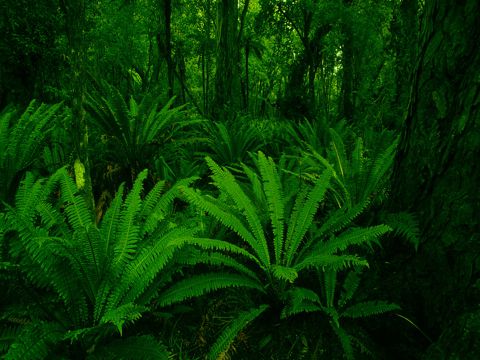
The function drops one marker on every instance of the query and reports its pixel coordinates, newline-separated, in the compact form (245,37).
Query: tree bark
(227,79)
(437,170)
(74,11)
(347,108)
(164,42)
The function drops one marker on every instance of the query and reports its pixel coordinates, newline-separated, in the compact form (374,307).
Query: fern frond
(350,286)
(345,341)
(224,217)
(152,199)
(382,164)
(275,199)
(340,153)
(334,262)
(301,300)
(330,283)
(342,217)
(111,220)
(351,237)
(133,347)
(34,341)
(129,230)
(405,225)
(212,244)
(159,211)
(75,206)
(8,334)
(214,259)
(203,284)
(228,335)
(284,273)
(302,216)
(28,196)
(142,270)
(127,313)
(226,182)
(369,308)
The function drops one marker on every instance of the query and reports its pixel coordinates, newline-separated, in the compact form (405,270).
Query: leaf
(369,308)
(228,335)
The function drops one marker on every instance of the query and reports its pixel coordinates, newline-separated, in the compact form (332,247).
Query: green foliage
(22,136)
(134,134)
(358,177)
(98,277)
(230,142)
(280,248)
(221,347)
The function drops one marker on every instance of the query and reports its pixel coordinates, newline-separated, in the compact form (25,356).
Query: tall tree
(227,80)
(437,172)
(75,16)
(348,69)
(164,41)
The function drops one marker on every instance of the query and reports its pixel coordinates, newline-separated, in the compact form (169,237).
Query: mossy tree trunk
(75,15)
(227,78)
(437,168)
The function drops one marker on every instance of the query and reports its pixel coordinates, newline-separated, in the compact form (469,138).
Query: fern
(275,200)
(301,220)
(355,236)
(132,348)
(21,138)
(120,315)
(301,300)
(128,231)
(203,284)
(93,277)
(405,225)
(227,183)
(369,308)
(136,131)
(34,341)
(228,335)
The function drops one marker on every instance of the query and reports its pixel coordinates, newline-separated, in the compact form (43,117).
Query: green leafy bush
(275,253)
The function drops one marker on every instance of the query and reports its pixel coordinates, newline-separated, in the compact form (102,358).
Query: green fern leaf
(345,341)
(350,286)
(143,347)
(129,230)
(226,218)
(300,221)
(301,300)
(203,284)
(274,196)
(228,335)
(110,222)
(127,313)
(334,262)
(34,341)
(226,182)
(284,273)
(369,308)
(75,206)
(355,236)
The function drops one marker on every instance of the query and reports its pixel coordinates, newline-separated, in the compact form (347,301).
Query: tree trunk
(164,42)
(74,11)
(347,94)
(227,80)
(437,170)
(405,35)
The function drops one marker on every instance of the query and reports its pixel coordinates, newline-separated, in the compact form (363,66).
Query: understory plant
(77,287)
(278,244)
(133,134)
(22,136)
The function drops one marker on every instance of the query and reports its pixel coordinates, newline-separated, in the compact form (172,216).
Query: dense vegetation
(239,179)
